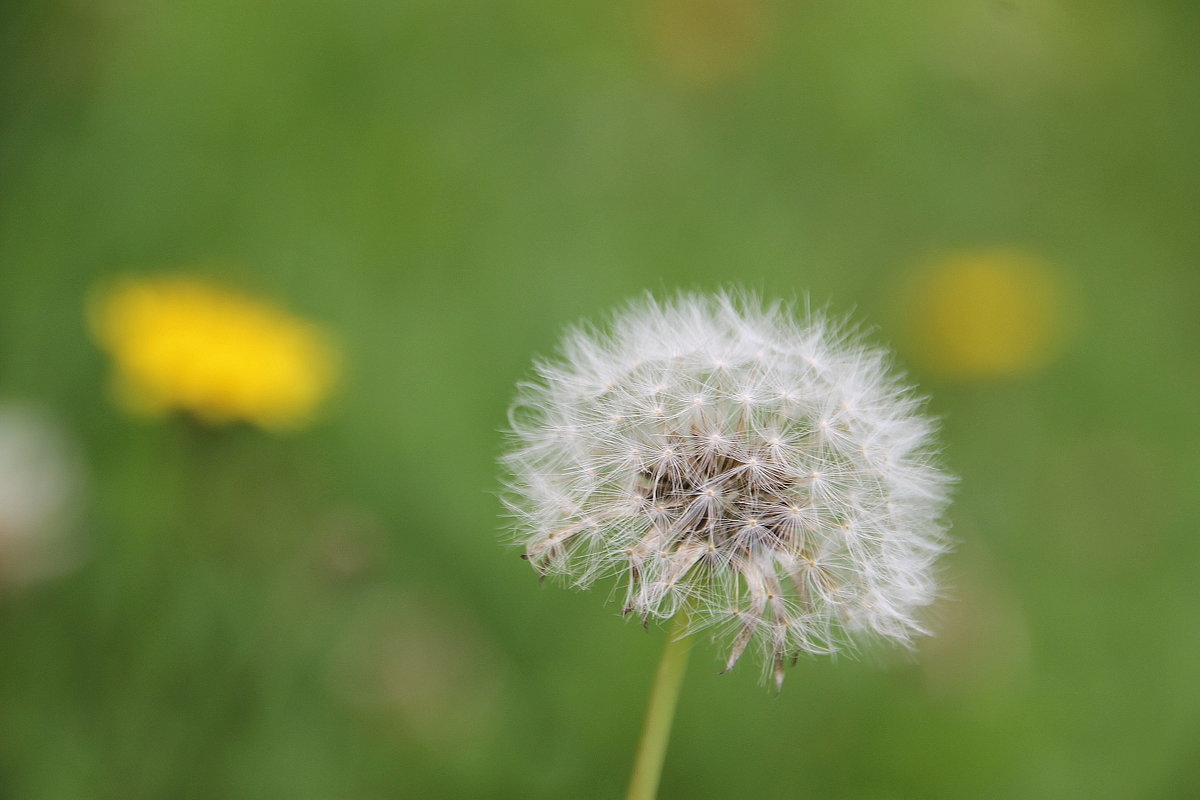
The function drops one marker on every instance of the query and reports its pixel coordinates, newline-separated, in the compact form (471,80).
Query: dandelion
(41,477)
(736,469)
(987,314)
(184,344)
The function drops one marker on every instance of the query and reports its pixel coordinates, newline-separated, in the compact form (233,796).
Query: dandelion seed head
(41,486)
(788,494)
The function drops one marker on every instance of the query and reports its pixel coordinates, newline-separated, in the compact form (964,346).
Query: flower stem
(647,767)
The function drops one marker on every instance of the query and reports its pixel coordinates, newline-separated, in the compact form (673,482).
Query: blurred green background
(443,187)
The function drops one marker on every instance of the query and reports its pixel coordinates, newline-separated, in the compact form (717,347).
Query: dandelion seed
(788,494)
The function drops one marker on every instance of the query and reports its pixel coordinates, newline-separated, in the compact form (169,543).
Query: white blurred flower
(767,477)
(40,481)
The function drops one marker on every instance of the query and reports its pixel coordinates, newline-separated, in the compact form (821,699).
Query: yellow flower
(181,343)
(987,314)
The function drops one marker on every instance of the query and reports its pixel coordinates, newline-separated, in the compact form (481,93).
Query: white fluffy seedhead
(771,477)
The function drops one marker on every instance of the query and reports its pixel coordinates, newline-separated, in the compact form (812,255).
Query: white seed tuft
(771,477)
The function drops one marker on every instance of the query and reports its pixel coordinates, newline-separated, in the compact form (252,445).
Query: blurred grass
(445,187)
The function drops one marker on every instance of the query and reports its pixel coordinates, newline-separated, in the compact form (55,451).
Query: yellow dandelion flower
(181,343)
(986,314)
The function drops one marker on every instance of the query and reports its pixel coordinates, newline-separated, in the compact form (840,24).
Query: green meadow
(334,612)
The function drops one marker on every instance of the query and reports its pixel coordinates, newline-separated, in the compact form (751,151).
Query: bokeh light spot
(987,314)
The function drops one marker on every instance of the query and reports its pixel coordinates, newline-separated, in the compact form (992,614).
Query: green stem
(647,768)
